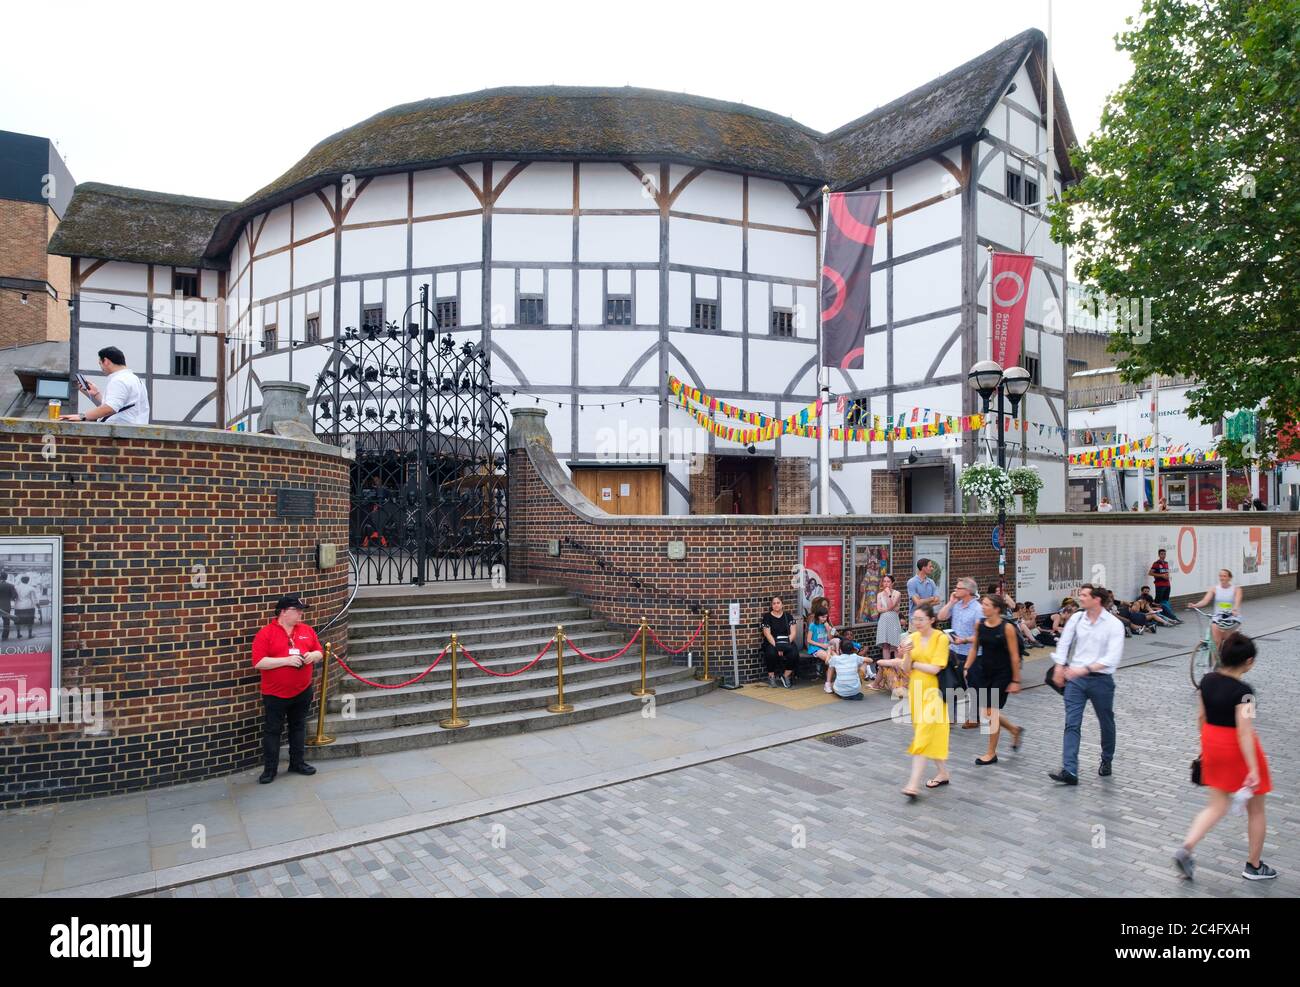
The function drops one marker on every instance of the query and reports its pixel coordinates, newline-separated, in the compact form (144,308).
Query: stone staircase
(394,637)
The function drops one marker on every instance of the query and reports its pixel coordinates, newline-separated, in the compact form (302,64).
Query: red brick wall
(620,565)
(137,513)
(25,229)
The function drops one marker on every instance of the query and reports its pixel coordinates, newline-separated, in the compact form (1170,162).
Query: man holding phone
(125,399)
(284,652)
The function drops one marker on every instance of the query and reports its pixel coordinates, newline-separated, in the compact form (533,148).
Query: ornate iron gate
(429,437)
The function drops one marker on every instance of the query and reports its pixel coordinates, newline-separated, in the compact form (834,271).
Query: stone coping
(168,433)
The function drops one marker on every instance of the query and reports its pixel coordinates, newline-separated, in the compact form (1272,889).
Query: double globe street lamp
(988,378)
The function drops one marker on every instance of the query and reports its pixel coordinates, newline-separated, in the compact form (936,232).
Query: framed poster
(872,558)
(1176,494)
(934,548)
(821,573)
(31,607)
(1283,553)
(1295,551)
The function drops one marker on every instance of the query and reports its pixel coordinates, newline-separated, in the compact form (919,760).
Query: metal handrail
(356,585)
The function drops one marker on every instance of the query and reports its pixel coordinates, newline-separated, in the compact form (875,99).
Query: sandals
(934,783)
(911,796)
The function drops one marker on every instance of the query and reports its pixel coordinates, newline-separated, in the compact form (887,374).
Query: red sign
(1011,274)
(822,574)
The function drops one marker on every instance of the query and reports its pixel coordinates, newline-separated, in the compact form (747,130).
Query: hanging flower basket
(1026,482)
(989,483)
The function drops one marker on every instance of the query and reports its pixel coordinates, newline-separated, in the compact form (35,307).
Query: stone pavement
(811,818)
(139,843)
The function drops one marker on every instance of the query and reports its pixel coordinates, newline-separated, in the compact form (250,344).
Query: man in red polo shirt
(284,652)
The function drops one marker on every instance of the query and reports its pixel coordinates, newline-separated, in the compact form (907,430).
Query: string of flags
(1098,457)
(764,422)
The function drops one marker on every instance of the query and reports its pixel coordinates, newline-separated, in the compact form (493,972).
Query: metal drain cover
(841,739)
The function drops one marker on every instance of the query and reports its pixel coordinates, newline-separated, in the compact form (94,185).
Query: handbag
(1049,681)
(1196,772)
(952,677)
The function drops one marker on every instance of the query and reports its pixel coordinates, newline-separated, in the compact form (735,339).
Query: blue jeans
(1100,690)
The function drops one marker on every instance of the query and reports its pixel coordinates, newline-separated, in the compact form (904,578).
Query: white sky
(219,99)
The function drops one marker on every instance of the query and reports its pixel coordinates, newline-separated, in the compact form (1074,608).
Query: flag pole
(824,376)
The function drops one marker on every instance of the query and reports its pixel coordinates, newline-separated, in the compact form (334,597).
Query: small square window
(1033,364)
(372,317)
(618,311)
(531,310)
(782,322)
(1014,188)
(704,315)
(185,284)
(270,338)
(1031,193)
(311,329)
(857,413)
(447,312)
(185,364)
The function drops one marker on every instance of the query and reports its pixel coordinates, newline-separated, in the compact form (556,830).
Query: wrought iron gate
(429,437)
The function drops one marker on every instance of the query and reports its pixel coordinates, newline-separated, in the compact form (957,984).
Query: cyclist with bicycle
(1227,607)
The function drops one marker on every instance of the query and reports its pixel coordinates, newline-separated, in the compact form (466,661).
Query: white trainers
(828,687)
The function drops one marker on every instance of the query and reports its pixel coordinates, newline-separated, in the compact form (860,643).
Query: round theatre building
(588,244)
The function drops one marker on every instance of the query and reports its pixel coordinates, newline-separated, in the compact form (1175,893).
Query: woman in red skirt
(1233,766)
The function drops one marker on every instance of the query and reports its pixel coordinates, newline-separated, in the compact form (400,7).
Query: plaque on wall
(295,503)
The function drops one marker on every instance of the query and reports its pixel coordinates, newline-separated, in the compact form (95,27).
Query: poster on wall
(30,608)
(1052,560)
(821,573)
(936,550)
(872,559)
(1295,551)
(1283,552)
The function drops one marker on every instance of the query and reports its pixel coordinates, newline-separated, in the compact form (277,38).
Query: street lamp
(988,378)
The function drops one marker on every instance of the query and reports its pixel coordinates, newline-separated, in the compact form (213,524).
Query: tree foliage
(1191,198)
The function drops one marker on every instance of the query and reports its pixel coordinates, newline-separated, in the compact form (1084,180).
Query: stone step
(521,650)
(434,611)
(431,734)
(410,715)
(364,697)
(369,598)
(462,623)
(475,639)
(390,675)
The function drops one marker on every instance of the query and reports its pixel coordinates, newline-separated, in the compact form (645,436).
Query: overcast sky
(219,99)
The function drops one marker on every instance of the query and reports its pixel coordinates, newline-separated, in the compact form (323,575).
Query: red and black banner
(846,277)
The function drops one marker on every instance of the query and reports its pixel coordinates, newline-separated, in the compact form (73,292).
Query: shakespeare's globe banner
(846,277)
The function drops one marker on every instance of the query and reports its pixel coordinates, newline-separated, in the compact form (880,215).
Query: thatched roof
(564,123)
(127,224)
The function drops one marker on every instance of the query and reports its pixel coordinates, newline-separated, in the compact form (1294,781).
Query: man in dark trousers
(284,652)
(6,603)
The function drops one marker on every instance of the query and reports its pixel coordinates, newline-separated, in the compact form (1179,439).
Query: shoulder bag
(1074,643)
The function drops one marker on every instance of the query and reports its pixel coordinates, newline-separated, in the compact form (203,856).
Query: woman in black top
(778,648)
(995,673)
(1232,760)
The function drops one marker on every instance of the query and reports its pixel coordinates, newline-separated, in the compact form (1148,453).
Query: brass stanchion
(645,634)
(559,706)
(320,740)
(454,722)
(705,676)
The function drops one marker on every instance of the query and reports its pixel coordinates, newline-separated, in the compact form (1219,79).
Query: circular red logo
(1190,564)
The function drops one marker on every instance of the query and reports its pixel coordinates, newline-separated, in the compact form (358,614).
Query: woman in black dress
(995,673)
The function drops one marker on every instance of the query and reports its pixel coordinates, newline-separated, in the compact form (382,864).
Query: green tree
(1191,198)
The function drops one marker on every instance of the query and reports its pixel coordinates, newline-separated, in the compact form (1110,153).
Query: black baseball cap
(290,601)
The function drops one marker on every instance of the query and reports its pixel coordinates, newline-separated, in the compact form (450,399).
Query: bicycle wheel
(1202,661)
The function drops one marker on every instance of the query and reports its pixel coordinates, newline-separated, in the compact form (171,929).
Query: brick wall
(619,565)
(885,492)
(793,485)
(138,509)
(25,230)
(703,479)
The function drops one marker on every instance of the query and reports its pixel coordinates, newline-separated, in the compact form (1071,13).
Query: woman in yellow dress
(923,654)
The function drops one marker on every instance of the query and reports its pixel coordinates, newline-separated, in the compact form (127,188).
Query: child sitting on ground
(845,672)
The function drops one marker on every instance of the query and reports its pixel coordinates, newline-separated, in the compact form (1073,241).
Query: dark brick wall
(620,566)
(137,514)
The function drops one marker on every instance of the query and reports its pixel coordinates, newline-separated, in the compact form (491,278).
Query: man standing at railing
(284,652)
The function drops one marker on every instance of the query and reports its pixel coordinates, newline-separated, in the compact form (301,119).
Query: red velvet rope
(379,685)
(611,657)
(518,671)
(676,651)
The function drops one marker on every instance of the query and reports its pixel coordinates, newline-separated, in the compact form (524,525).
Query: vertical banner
(934,548)
(846,277)
(821,573)
(31,571)
(872,559)
(1010,294)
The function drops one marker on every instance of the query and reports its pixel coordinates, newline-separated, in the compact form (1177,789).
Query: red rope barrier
(611,657)
(519,671)
(380,685)
(676,651)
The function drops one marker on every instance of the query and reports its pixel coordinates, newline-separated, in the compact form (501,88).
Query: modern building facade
(594,242)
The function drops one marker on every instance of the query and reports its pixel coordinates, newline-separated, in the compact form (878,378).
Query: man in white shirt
(1088,675)
(125,400)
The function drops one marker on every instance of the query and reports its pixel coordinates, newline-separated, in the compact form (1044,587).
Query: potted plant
(988,482)
(1026,483)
